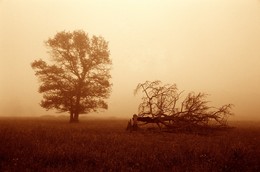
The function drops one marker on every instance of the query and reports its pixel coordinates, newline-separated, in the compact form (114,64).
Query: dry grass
(101,145)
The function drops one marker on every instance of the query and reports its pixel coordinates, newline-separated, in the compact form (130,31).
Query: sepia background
(210,46)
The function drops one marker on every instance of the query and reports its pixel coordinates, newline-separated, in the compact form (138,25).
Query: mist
(202,46)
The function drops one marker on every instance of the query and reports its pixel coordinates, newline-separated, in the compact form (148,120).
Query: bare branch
(160,101)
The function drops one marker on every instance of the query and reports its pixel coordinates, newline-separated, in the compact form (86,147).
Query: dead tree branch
(161,104)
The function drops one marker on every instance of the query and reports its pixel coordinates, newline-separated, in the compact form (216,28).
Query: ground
(52,144)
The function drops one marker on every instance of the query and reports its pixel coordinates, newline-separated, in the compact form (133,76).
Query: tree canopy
(78,78)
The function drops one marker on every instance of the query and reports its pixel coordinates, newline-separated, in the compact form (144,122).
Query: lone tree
(162,104)
(77,81)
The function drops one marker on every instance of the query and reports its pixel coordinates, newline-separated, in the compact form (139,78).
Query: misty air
(130,85)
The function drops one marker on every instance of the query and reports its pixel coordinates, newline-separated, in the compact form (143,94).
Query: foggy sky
(210,46)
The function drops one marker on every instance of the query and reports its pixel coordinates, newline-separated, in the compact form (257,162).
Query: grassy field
(41,144)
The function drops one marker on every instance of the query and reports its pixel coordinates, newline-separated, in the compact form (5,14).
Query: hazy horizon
(210,46)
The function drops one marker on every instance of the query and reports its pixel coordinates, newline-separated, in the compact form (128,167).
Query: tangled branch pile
(162,104)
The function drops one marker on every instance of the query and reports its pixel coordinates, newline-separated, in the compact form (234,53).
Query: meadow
(52,144)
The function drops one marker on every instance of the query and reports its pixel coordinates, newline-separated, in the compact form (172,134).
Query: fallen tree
(162,105)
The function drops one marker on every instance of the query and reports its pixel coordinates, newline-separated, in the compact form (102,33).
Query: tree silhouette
(161,104)
(77,81)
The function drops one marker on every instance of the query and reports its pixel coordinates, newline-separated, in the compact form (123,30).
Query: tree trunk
(74,117)
(77,105)
(71,117)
